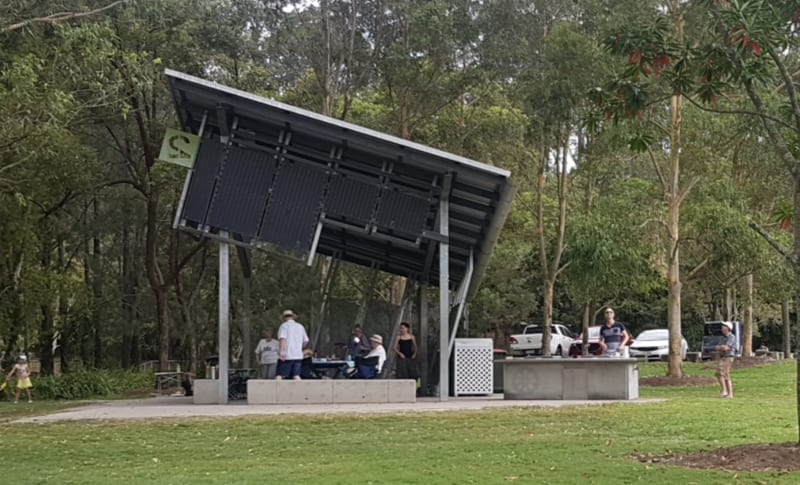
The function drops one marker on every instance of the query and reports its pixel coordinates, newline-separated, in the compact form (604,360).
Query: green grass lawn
(571,445)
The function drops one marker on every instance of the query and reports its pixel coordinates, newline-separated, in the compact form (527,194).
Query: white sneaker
(723,395)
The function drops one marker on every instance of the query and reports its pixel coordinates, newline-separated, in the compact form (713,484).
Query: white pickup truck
(529,342)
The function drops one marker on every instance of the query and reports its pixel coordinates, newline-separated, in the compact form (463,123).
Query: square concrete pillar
(206,391)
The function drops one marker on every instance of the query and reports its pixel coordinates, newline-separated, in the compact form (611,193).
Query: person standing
(292,338)
(405,347)
(267,355)
(358,345)
(23,372)
(726,349)
(613,335)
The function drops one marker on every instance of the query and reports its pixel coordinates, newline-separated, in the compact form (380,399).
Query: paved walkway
(182,407)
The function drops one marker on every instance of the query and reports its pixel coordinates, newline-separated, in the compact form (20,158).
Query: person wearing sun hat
(725,348)
(376,341)
(292,338)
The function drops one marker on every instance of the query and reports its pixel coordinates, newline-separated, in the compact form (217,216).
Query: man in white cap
(292,337)
(376,341)
(725,348)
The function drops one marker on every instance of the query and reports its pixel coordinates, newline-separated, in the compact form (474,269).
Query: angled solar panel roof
(268,172)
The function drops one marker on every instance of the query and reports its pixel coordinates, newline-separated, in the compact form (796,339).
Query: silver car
(653,344)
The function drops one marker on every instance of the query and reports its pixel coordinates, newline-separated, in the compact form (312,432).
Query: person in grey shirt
(267,355)
(726,348)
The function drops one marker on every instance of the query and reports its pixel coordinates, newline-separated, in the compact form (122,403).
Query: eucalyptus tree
(746,48)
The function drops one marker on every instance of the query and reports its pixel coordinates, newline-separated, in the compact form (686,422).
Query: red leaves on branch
(635,57)
(756,49)
(660,62)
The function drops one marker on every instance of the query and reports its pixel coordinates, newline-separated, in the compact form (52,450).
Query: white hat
(23,357)
(728,324)
(377,338)
(288,313)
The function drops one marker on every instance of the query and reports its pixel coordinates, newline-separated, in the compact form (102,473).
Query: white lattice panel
(474,366)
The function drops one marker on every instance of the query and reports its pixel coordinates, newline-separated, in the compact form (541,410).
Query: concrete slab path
(182,407)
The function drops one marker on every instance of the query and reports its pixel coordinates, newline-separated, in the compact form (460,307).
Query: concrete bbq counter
(570,379)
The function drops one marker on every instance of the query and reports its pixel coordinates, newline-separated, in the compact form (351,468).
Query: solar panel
(242,191)
(294,206)
(400,212)
(201,187)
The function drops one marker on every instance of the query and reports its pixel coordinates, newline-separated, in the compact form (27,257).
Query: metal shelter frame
(268,173)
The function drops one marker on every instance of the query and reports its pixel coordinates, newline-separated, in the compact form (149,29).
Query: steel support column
(224,318)
(444,297)
(422,292)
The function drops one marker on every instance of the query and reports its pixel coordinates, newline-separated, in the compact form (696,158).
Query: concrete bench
(331,391)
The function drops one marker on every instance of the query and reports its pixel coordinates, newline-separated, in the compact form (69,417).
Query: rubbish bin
(499,354)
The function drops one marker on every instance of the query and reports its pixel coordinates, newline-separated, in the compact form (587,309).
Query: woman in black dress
(405,347)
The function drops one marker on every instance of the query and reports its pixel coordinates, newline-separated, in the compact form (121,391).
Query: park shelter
(267,173)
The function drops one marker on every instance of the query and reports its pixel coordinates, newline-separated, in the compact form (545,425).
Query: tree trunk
(97,294)
(246,325)
(674,286)
(787,329)
(47,323)
(163,325)
(747,346)
(729,304)
(587,315)
(547,335)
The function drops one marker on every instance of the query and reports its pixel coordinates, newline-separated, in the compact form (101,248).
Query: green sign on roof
(179,148)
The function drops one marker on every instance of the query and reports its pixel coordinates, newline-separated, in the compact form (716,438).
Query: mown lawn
(586,445)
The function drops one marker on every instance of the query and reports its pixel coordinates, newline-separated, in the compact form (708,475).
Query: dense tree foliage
(572,96)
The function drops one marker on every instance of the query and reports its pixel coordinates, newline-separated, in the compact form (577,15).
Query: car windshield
(533,329)
(653,335)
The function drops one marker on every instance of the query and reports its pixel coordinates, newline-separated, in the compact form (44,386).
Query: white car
(653,344)
(529,342)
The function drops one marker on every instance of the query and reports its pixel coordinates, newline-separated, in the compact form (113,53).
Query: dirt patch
(774,457)
(685,381)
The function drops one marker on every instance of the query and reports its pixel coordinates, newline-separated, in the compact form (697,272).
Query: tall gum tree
(746,49)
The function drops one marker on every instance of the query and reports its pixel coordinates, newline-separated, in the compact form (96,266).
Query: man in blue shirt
(613,335)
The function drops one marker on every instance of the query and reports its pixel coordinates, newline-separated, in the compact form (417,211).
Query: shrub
(83,384)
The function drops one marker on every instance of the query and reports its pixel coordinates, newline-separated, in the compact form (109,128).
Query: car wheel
(559,351)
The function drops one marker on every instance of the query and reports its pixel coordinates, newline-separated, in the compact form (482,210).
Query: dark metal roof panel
(383,190)
(242,191)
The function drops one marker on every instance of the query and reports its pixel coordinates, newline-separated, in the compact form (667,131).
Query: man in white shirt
(376,341)
(292,337)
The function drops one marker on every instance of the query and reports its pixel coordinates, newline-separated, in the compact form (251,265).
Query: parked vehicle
(529,342)
(712,336)
(576,348)
(653,344)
